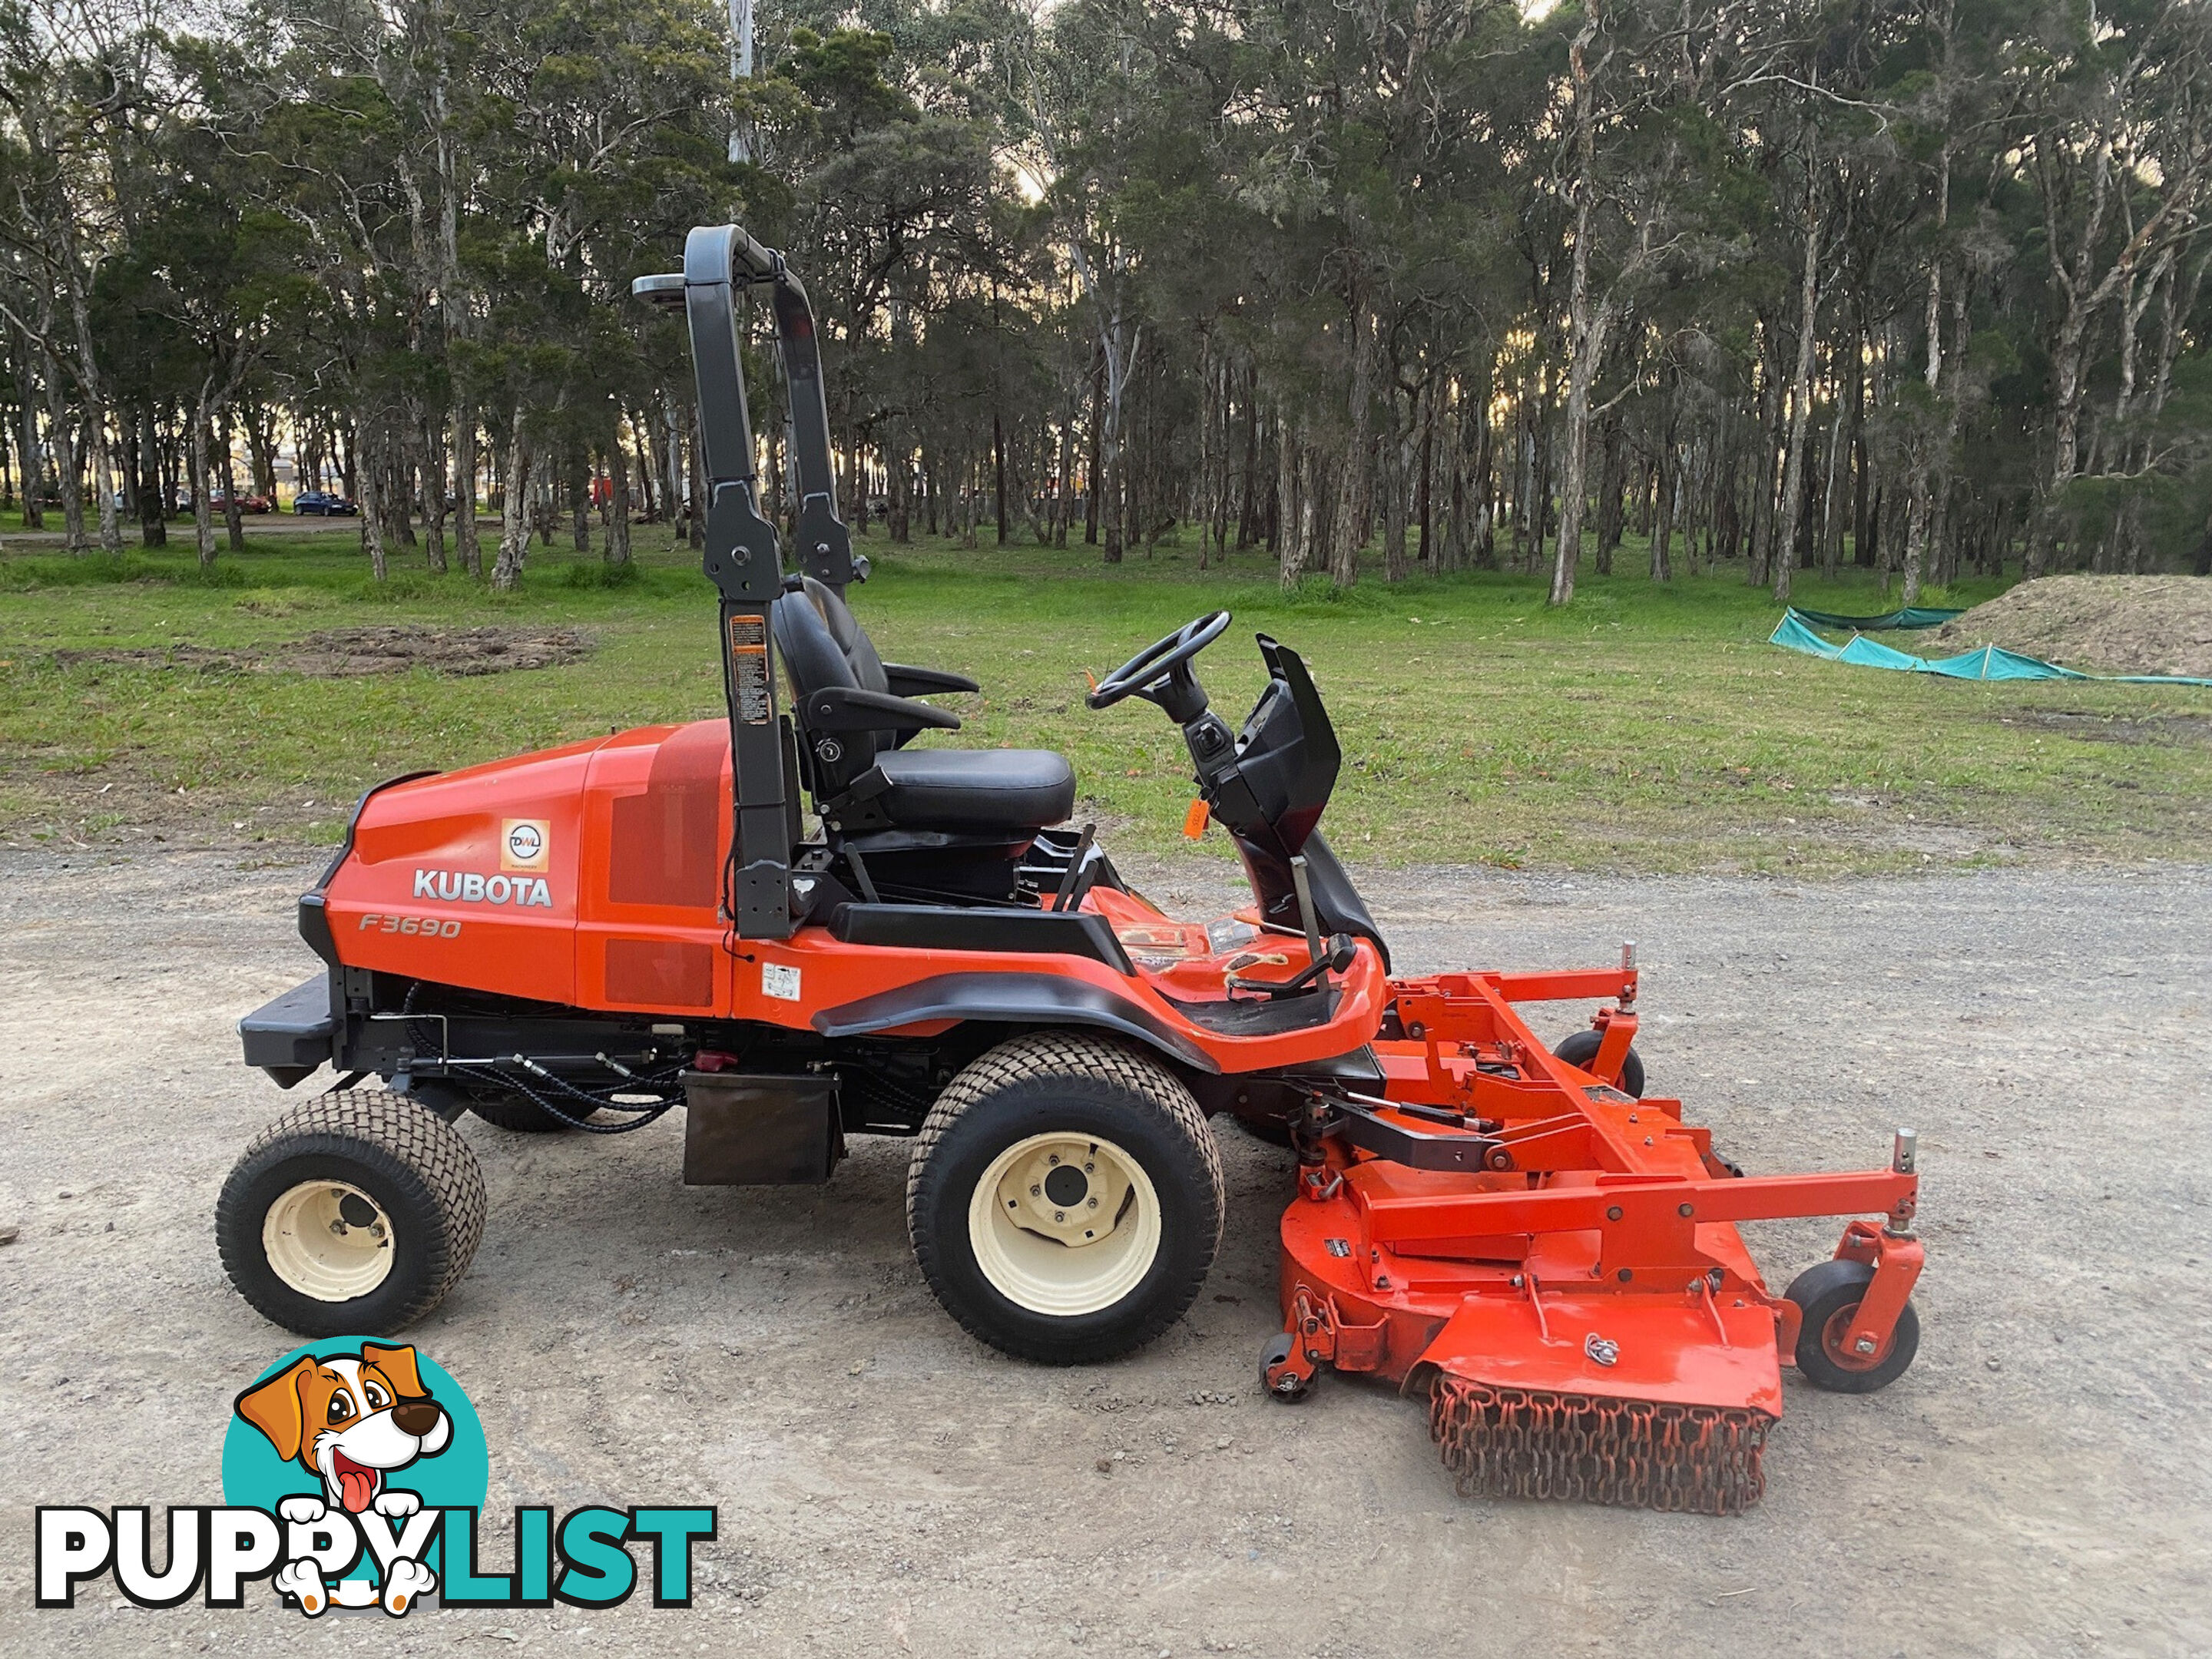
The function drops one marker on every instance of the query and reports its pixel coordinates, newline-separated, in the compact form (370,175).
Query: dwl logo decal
(353,1474)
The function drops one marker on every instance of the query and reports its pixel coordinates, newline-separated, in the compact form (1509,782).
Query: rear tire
(356,1213)
(1064,1198)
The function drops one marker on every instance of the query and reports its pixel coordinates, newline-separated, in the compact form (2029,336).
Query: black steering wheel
(1161,672)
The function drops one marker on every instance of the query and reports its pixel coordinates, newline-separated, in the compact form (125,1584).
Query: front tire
(1064,1198)
(355,1212)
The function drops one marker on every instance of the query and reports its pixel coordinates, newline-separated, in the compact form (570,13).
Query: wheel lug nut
(1035,1189)
(1060,1215)
(1094,1203)
(1052,1157)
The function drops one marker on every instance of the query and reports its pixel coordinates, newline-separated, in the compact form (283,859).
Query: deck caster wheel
(1277,1377)
(1581,1048)
(1064,1198)
(1827,1299)
(355,1212)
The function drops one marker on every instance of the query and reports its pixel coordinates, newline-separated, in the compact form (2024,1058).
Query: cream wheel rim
(1064,1224)
(328,1240)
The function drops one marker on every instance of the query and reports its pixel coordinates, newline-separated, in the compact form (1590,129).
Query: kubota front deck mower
(585,939)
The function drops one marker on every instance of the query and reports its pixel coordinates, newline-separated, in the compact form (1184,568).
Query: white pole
(741,68)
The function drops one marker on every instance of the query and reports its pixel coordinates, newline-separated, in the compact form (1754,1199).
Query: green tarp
(1912,616)
(1991,662)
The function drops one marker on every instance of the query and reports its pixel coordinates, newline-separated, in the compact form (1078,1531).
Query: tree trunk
(999,475)
(513,527)
(1288,466)
(1097,428)
(617,548)
(1248,520)
(67,463)
(1801,398)
(1063,492)
(1401,455)
(34,472)
(1916,541)
(153,511)
(202,506)
(431,474)
(899,518)
(371,485)
(234,521)
(466,544)
(1356,488)
(1611,487)
(261,450)
(579,497)
(1114,486)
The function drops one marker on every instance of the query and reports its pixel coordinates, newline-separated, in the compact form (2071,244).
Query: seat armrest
(910,682)
(847,708)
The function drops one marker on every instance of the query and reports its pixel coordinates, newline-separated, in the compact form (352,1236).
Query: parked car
(248,502)
(322,504)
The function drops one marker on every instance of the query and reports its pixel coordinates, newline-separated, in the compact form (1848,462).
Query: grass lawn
(1643,728)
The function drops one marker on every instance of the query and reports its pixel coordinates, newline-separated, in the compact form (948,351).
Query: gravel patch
(887,1486)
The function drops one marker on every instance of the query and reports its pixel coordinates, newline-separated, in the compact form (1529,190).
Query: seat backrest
(808,621)
(851,639)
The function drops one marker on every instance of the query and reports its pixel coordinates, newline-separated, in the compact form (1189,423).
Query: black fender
(1029,999)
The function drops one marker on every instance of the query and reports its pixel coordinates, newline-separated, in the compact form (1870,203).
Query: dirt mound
(2100,625)
(338,653)
(343,652)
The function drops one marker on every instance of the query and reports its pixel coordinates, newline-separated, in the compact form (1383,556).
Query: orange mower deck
(1576,1302)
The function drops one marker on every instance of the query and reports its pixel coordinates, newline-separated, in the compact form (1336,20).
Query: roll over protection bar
(742,553)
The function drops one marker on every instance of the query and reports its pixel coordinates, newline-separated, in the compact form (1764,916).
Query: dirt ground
(2099,624)
(344,654)
(2036,1486)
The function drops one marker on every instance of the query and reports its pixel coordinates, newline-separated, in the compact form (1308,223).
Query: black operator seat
(868,779)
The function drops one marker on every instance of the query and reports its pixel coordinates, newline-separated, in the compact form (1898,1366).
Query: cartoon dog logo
(350,1421)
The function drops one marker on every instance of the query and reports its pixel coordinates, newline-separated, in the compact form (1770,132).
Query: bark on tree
(1355,488)
(513,527)
(617,548)
(371,487)
(1784,542)
(202,506)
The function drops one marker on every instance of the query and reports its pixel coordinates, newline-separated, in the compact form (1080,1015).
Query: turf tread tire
(404,1146)
(1071,1056)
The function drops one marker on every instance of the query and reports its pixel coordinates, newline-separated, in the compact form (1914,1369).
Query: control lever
(1339,954)
(1076,881)
(1299,881)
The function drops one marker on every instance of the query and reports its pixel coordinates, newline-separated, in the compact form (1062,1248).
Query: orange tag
(1194,821)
